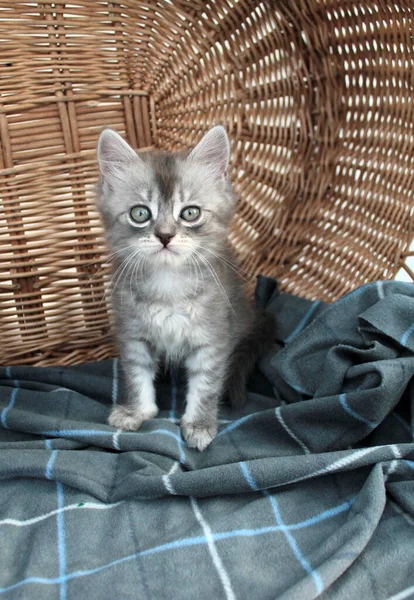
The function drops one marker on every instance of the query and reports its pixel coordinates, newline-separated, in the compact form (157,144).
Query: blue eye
(140,214)
(191,213)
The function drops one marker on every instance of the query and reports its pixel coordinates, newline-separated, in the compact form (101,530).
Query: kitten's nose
(164,238)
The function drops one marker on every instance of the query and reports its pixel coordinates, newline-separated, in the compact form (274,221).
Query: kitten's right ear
(114,154)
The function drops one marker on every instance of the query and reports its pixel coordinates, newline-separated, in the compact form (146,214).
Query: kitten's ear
(213,152)
(114,154)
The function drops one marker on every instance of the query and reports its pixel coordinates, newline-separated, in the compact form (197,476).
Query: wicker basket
(317,96)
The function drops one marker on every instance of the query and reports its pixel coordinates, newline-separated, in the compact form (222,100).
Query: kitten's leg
(140,367)
(206,368)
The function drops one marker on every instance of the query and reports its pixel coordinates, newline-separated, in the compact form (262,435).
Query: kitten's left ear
(213,152)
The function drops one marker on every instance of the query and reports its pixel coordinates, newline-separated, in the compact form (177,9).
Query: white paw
(198,436)
(127,419)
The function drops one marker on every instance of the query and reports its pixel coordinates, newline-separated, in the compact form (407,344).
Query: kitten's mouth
(165,251)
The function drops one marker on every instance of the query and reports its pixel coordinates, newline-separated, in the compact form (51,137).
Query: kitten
(176,293)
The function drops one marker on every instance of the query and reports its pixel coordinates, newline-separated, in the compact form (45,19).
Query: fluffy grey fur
(176,293)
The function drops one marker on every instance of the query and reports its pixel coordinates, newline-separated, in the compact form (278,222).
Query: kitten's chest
(174,327)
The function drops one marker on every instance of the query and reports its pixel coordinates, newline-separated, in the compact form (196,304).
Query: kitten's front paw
(198,436)
(127,419)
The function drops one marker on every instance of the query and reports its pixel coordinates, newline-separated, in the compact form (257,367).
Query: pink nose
(164,238)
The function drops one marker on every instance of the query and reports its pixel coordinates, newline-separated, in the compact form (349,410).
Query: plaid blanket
(308,492)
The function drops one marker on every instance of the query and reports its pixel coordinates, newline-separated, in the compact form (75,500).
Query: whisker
(217,280)
(238,270)
(119,272)
(109,257)
(197,270)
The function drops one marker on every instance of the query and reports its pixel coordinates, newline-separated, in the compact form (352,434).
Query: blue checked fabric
(308,492)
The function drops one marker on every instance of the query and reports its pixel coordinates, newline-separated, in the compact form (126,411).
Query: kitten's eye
(140,214)
(191,213)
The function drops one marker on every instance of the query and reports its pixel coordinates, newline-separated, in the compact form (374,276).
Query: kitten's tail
(248,351)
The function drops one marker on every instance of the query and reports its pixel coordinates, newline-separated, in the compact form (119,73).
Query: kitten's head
(165,208)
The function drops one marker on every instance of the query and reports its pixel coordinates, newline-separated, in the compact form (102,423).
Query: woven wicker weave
(317,96)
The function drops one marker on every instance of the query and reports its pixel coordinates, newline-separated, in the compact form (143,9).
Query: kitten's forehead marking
(165,174)
(178,200)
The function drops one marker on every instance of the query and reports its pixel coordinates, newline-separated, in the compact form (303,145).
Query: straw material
(317,96)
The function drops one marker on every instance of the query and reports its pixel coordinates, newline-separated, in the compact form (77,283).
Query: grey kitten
(176,293)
